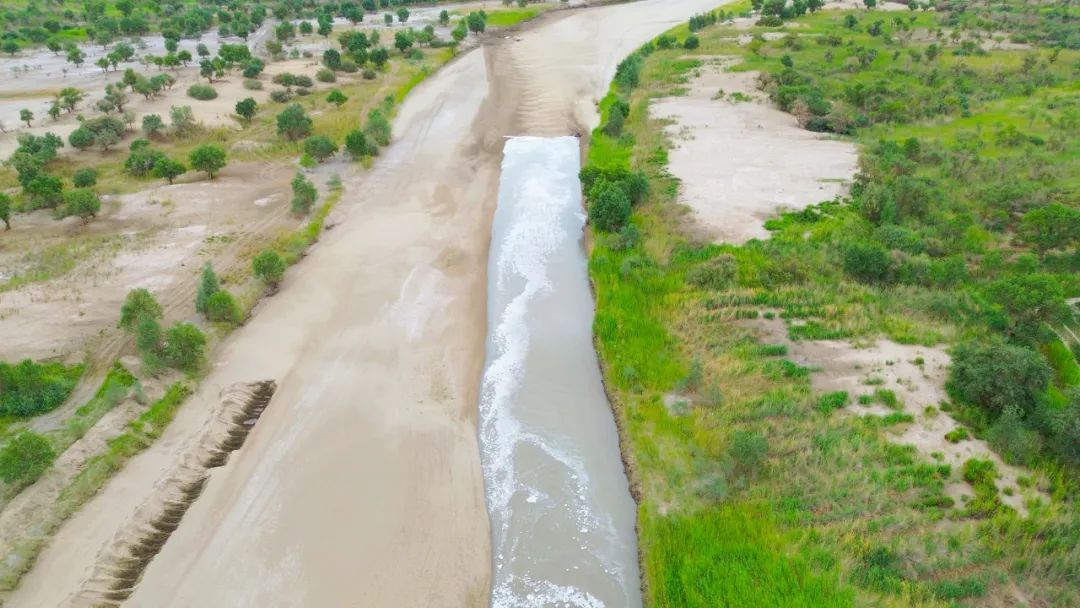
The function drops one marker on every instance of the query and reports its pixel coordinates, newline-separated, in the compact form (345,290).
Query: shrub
(302,92)
(325,75)
(957,435)
(715,273)
(223,307)
(81,138)
(866,261)
(994,375)
(25,458)
(141,161)
(84,178)
(139,303)
(357,145)
(303,81)
(304,194)
(280,96)
(184,346)
(833,401)
(369,74)
(1015,443)
(378,128)
(208,286)
(253,85)
(336,97)
(202,92)
(692,42)
(609,207)
(269,267)
(29,389)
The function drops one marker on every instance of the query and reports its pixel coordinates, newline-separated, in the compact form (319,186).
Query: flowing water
(561,514)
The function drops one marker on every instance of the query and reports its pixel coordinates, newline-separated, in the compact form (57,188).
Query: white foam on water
(538,217)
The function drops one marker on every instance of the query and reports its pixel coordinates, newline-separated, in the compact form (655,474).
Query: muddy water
(561,514)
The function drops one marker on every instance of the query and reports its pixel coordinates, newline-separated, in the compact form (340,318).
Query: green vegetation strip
(93,476)
(753,491)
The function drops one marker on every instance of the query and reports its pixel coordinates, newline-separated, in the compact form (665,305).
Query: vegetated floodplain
(754,491)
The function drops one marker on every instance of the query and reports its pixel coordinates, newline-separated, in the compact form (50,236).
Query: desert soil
(362,479)
(742,161)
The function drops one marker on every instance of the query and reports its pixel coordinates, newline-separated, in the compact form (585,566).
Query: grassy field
(751,492)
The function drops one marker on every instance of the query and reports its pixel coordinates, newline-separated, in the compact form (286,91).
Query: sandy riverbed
(361,483)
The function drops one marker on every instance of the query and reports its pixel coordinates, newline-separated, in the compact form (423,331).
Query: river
(562,518)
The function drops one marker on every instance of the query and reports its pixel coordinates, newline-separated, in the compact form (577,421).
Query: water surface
(561,513)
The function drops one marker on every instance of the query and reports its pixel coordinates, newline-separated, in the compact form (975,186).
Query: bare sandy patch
(156,239)
(916,375)
(740,160)
(849,5)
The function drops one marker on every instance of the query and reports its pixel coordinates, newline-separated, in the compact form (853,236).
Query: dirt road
(361,483)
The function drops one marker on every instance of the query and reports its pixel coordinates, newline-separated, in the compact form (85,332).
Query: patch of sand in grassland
(842,366)
(740,162)
(156,239)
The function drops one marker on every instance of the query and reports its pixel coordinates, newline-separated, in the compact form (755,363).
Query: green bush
(867,261)
(29,389)
(25,458)
(325,75)
(184,347)
(269,267)
(221,306)
(203,92)
(84,178)
(715,273)
(995,374)
(609,207)
(139,303)
(833,401)
(208,286)
(253,85)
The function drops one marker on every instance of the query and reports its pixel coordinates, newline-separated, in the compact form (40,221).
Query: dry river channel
(363,484)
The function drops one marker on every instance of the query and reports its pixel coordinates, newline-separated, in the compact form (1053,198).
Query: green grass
(506,18)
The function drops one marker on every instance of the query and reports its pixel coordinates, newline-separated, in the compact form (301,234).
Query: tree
(320,147)
(207,157)
(477,22)
(168,168)
(293,123)
(326,25)
(403,41)
(692,42)
(75,56)
(388,19)
(106,139)
(337,98)
(45,190)
(84,178)
(996,375)
(269,267)
(331,59)
(5,210)
(304,194)
(208,286)
(69,98)
(201,50)
(357,145)
(139,303)
(81,202)
(26,116)
(444,18)
(184,346)
(870,3)
(609,206)
(246,108)
(402,14)
(306,28)
(460,32)
(183,119)
(379,57)
(152,124)
(10,47)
